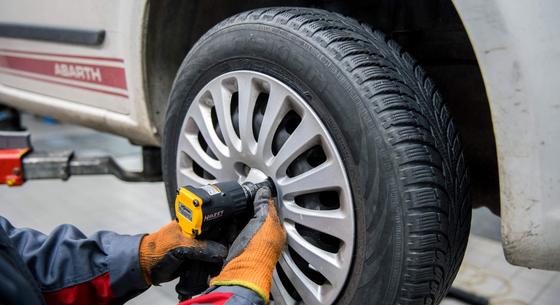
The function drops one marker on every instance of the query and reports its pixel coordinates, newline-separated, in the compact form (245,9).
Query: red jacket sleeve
(96,291)
(226,295)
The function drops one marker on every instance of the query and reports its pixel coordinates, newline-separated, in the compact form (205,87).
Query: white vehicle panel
(91,82)
(517,44)
(71,81)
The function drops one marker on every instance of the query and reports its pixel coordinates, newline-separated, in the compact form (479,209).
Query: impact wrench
(201,212)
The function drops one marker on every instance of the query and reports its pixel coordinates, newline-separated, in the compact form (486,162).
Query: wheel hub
(254,176)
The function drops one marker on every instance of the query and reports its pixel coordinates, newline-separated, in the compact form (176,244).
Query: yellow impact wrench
(199,209)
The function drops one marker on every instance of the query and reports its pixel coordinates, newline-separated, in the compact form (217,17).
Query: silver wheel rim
(221,139)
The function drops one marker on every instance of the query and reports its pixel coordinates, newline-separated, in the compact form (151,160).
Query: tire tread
(418,127)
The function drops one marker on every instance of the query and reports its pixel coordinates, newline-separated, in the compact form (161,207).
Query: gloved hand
(162,253)
(254,253)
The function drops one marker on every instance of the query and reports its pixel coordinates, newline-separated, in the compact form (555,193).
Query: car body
(110,65)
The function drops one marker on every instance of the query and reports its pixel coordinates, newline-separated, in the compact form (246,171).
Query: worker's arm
(247,275)
(106,267)
(70,267)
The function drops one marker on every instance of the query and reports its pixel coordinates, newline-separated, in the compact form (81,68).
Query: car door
(73,52)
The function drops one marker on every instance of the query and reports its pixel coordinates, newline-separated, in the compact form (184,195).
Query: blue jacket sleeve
(66,257)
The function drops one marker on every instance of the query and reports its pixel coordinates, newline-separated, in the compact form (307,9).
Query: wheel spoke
(186,176)
(276,108)
(192,148)
(222,102)
(308,290)
(279,293)
(326,176)
(324,262)
(305,136)
(247,99)
(331,222)
(203,120)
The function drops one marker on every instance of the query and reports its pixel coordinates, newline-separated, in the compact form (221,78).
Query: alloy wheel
(247,126)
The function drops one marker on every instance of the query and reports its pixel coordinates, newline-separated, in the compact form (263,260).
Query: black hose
(467,297)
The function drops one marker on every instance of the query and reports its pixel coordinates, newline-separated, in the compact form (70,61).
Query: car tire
(399,148)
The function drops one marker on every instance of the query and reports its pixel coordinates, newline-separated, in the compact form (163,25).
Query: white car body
(517,45)
(114,102)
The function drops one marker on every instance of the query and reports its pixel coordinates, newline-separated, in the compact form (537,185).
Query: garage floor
(486,272)
(103,202)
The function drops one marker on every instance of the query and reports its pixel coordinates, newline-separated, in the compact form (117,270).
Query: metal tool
(19,162)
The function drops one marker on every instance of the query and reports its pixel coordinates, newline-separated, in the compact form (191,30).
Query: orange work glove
(255,252)
(163,253)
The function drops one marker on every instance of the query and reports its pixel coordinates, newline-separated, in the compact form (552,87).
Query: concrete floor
(485,272)
(106,203)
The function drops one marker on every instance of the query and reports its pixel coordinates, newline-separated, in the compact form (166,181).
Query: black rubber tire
(399,145)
